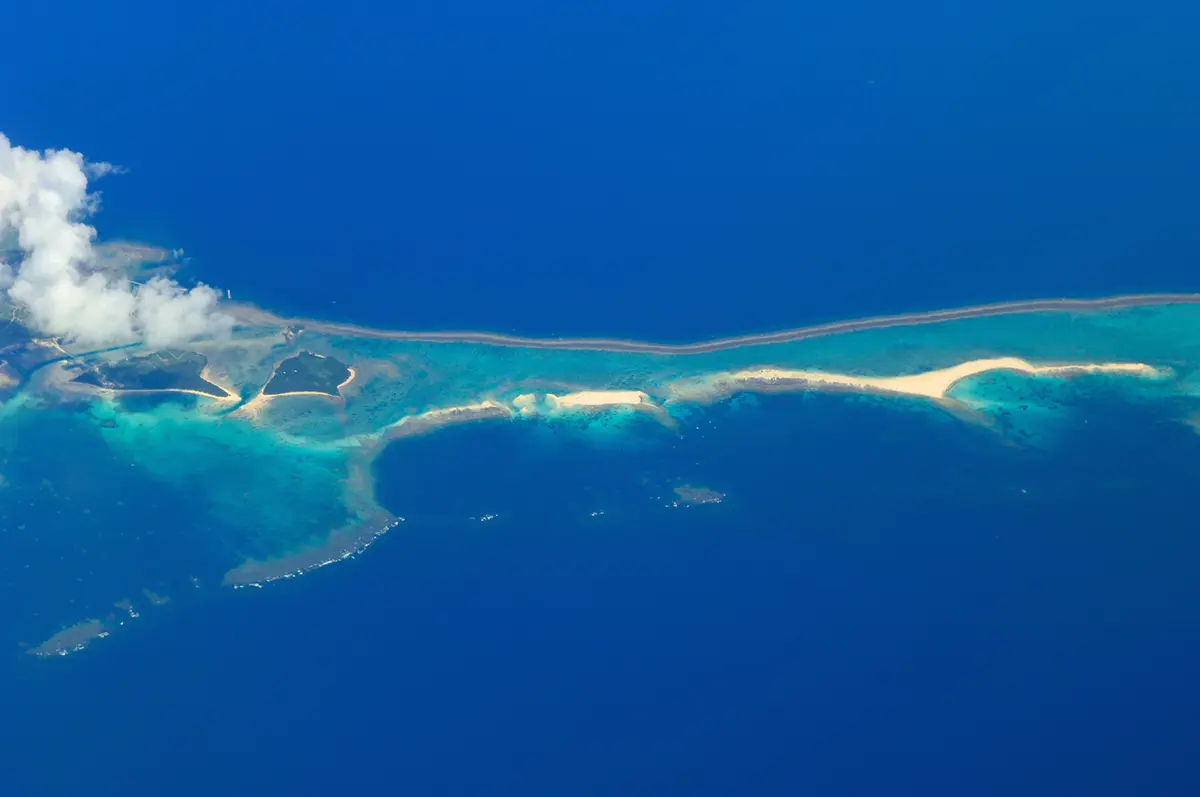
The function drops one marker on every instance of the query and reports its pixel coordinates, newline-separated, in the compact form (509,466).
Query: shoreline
(255,316)
(597,400)
(117,391)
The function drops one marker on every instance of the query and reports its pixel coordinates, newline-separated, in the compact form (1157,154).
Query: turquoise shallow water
(101,505)
(85,526)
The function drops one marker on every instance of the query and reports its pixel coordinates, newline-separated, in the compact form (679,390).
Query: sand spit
(346,382)
(930,384)
(598,399)
(255,316)
(593,401)
(206,373)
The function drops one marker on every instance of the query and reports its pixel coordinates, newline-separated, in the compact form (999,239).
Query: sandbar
(934,384)
(598,399)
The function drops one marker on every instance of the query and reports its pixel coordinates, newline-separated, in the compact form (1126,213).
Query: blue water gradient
(885,601)
(654,169)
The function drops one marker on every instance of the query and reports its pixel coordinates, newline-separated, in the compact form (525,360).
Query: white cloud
(97,169)
(43,202)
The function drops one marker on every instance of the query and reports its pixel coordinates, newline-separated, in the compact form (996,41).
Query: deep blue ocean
(887,601)
(660,169)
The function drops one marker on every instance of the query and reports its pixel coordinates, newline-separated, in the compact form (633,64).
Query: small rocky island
(308,373)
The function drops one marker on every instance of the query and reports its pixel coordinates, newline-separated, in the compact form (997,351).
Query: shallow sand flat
(585,399)
(930,384)
(206,373)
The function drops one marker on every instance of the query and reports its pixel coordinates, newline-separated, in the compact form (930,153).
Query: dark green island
(180,371)
(308,373)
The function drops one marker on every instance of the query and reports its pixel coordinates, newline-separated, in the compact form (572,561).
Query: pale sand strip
(930,384)
(346,383)
(596,399)
(117,391)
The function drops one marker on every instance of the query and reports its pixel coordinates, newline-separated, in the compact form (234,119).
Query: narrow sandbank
(598,399)
(934,384)
(594,401)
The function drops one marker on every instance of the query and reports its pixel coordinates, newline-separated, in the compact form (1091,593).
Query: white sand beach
(597,399)
(930,384)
